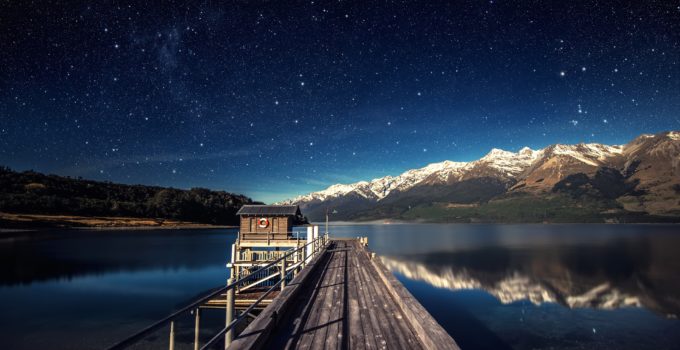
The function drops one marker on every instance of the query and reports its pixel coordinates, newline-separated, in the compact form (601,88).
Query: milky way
(276,98)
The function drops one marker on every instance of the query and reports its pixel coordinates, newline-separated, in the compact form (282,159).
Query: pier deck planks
(347,301)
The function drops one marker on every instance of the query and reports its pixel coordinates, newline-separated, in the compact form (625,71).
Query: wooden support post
(229,336)
(197,327)
(172,336)
(283,274)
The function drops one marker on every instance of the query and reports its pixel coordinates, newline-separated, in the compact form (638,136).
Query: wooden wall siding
(249,224)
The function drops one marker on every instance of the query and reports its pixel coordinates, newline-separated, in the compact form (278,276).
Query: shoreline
(401,222)
(11,223)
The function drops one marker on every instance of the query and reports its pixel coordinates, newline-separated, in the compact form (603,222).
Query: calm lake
(490,286)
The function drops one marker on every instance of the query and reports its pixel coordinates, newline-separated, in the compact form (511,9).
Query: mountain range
(635,182)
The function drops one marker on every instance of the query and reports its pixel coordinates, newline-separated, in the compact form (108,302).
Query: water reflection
(79,290)
(621,273)
(64,255)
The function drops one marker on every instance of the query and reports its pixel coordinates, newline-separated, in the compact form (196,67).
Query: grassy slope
(23,221)
(553,208)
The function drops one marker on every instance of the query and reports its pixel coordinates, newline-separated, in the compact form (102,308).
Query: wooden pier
(345,299)
(284,292)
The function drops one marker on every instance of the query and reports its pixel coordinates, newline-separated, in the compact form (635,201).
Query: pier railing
(283,270)
(268,236)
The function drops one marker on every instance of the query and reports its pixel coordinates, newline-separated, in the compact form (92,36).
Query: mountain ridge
(610,175)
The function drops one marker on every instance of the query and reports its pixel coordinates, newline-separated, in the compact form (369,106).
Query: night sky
(276,98)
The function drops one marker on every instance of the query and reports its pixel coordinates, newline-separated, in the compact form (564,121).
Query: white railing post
(172,336)
(234,259)
(283,274)
(316,239)
(229,336)
(197,323)
(310,246)
(296,258)
(303,251)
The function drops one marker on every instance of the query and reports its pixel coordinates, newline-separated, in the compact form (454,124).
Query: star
(207,74)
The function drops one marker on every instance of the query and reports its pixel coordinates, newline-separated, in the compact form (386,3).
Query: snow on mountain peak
(504,161)
(508,163)
(589,153)
(379,188)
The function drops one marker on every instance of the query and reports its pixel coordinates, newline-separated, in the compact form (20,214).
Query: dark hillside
(34,193)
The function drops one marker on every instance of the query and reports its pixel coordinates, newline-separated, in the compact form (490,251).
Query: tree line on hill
(30,192)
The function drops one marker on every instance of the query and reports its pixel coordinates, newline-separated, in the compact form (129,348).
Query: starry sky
(278,98)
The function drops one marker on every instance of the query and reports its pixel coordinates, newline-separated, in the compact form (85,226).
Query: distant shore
(14,223)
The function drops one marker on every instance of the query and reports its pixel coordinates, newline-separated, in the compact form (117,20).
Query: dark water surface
(490,286)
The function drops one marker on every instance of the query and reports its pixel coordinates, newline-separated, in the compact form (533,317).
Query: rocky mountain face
(638,181)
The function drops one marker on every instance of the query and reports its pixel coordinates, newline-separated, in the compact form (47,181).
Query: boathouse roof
(275,210)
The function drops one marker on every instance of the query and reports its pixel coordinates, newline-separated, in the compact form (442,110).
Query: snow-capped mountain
(502,173)
(507,163)
(380,188)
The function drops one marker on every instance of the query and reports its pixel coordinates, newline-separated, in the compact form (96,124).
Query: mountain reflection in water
(609,276)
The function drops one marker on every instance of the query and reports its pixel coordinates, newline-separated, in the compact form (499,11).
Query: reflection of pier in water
(547,277)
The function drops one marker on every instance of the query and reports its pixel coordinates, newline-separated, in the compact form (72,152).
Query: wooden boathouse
(302,290)
(268,222)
